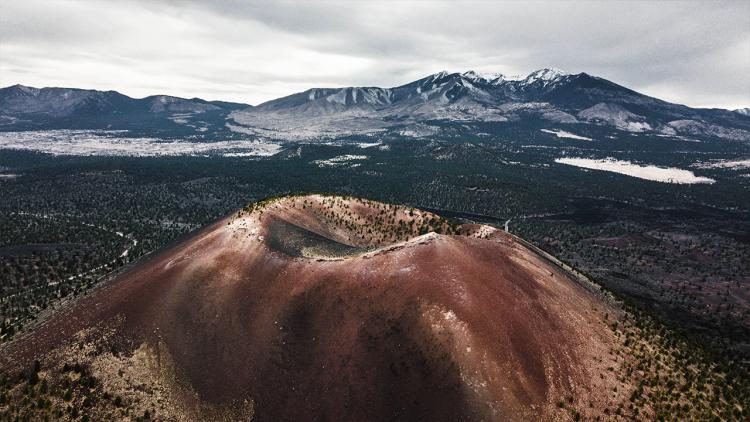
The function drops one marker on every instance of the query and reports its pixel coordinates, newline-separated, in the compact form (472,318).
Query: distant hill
(28,108)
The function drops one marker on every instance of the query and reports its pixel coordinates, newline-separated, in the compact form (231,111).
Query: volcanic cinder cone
(330,308)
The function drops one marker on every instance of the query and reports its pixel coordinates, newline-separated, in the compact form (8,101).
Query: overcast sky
(695,53)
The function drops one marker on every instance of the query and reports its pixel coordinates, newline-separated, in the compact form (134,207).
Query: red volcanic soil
(324,308)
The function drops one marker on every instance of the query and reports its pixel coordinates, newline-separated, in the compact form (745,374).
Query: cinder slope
(325,308)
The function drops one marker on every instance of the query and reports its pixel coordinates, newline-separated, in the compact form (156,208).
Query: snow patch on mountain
(615,115)
(484,77)
(545,76)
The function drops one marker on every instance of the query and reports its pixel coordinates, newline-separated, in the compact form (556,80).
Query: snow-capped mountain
(744,111)
(545,95)
(493,78)
(544,77)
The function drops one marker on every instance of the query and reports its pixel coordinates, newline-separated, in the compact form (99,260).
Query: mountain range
(28,108)
(546,95)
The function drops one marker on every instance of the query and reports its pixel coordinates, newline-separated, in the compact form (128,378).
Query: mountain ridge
(29,108)
(34,90)
(547,95)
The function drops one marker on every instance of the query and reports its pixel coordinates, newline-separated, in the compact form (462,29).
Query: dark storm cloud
(696,53)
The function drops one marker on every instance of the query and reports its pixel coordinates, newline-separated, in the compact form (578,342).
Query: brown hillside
(330,308)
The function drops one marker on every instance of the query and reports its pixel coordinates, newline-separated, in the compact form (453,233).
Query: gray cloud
(696,53)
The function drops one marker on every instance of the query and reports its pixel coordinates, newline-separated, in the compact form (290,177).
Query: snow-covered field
(648,172)
(724,164)
(564,134)
(369,144)
(374,144)
(300,126)
(340,161)
(111,143)
(419,130)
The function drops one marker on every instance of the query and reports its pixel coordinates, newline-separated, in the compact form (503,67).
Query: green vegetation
(677,378)
(52,393)
(697,276)
(47,258)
